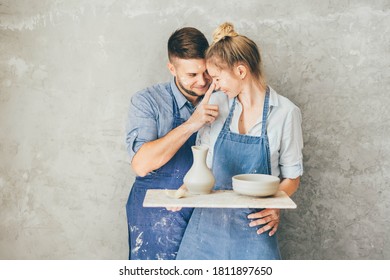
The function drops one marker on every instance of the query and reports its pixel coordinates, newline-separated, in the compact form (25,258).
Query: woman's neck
(252,95)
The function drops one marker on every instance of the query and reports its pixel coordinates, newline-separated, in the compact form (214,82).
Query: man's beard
(189,92)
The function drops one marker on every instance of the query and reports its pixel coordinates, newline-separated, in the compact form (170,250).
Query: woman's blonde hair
(229,48)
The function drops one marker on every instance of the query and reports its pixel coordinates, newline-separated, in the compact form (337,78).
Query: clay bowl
(255,184)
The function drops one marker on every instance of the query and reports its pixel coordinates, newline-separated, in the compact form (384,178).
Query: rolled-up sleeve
(141,126)
(290,161)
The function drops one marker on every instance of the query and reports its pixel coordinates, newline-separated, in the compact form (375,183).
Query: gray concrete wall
(68,69)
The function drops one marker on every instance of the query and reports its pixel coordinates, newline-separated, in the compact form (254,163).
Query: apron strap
(265,113)
(176,112)
(226,125)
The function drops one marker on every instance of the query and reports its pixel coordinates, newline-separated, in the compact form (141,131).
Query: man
(162,125)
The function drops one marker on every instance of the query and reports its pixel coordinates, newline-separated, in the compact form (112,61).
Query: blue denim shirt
(150,115)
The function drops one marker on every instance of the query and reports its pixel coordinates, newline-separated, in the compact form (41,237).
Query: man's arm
(154,154)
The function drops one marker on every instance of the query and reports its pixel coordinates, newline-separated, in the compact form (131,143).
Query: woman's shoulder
(219,98)
(282,102)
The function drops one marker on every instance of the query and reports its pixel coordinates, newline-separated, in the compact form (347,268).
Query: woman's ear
(241,71)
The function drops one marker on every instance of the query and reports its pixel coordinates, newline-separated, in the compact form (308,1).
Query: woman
(258,131)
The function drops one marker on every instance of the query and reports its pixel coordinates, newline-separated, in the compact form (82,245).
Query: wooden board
(217,199)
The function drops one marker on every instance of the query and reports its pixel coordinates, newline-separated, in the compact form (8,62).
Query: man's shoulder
(154,90)
(153,94)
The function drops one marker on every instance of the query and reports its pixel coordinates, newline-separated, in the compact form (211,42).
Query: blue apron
(156,233)
(224,233)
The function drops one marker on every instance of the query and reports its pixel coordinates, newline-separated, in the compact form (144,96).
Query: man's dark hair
(187,43)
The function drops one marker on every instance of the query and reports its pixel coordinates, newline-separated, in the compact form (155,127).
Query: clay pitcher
(199,179)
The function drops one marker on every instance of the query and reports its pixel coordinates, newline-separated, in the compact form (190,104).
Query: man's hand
(154,154)
(204,113)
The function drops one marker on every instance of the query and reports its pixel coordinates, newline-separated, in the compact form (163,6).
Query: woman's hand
(268,217)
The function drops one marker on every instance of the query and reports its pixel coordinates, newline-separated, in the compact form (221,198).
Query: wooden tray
(217,199)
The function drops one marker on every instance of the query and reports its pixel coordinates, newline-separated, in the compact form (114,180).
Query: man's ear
(171,68)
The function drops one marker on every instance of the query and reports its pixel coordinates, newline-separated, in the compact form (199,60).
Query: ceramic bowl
(255,184)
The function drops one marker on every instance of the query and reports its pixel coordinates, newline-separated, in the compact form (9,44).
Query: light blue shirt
(150,115)
(283,129)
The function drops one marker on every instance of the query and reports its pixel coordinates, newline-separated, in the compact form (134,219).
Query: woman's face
(225,80)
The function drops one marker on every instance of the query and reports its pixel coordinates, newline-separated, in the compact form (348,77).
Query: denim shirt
(150,114)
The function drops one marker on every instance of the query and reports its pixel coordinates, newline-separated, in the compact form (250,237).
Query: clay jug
(199,179)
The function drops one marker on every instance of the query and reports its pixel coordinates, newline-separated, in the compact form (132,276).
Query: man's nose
(202,80)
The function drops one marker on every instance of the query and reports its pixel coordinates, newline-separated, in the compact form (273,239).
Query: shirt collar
(180,98)
(273,98)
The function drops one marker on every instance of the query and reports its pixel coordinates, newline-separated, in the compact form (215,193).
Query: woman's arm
(289,186)
(270,217)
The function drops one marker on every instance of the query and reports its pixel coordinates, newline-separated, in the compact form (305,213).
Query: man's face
(191,75)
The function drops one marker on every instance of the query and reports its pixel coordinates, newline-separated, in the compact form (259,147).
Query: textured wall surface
(68,69)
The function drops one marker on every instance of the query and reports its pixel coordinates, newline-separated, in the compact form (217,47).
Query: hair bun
(224,30)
